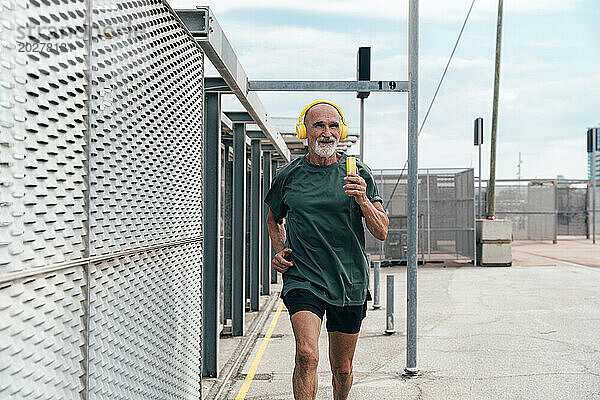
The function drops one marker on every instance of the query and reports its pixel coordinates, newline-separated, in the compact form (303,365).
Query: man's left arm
(375,216)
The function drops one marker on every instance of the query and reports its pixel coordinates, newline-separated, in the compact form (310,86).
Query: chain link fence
(446,228)
(544,209)
(572,210)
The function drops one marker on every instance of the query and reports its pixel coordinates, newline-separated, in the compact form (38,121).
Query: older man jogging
(321,248)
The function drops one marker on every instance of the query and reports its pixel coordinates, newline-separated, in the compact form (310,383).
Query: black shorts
(339,319)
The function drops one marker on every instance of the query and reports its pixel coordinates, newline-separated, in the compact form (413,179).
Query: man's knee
(307,358)
(342,372)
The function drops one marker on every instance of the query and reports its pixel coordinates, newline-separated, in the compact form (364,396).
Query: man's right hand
(280,262)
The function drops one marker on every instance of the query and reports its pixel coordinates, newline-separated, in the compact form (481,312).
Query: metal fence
(446,228)
(544,209)
(572,210)
(590,211)
(100,201)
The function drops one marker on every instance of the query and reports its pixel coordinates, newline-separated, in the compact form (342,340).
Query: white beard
(325,150)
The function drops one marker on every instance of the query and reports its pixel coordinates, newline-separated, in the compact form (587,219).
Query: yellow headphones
(301,127)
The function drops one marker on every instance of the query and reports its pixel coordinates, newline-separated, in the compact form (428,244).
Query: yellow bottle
(351,165)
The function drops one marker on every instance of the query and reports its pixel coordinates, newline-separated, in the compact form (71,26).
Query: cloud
(390,9)
(545,102)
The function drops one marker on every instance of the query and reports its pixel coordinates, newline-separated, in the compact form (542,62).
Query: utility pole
(519,167)
(491,191)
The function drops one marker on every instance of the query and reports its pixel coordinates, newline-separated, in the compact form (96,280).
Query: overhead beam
(268,147)
(226,123)
(256,135)
(204,26)
(328,86)
(216,84)
(241,117)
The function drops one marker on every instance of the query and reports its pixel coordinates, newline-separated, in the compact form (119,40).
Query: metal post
(273,272)
(412,192)
(457,233)
(266,242)
(248,274)
(491,187)
(389,326)
(211,236)
(381,253)
(362,129)
(594,152)
(227,242)
(255,231)
(239,228)
(428,220)
(475,231)
(555,183)
(479,197)
(592,147)
(376,284)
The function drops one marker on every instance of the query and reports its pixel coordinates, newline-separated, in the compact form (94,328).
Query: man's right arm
(277,234)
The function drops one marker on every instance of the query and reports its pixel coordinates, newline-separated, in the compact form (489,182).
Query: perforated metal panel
(146,124)
(100,201)
(42,135)
(41,336)
(145,325)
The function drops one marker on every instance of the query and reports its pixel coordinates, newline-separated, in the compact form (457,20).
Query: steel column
(479,215)
(248,273)
(227,242)
(239,229)
(362,129)
(211,235)
(266,242)
(381,243)
(412,193)
(274,273)
(255,231)
(595,148)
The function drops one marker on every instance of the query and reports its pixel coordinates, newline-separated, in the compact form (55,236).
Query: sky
(549,84)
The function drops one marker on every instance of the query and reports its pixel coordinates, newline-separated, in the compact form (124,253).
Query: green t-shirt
(324,230)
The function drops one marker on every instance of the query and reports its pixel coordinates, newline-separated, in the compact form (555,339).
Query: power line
(434,96)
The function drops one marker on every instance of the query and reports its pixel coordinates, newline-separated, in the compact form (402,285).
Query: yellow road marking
(263,346)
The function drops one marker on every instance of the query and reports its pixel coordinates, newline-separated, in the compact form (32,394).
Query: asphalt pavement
(521,332)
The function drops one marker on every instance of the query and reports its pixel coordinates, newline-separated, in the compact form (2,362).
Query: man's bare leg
(341,354)
(307,327)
